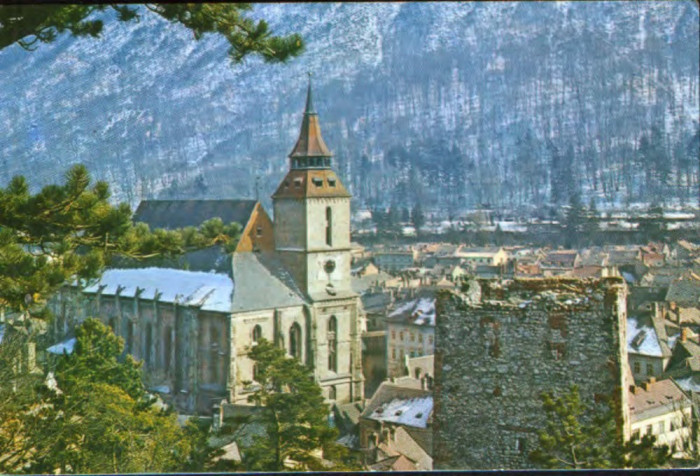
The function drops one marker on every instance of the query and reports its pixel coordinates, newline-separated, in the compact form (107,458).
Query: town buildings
(287,281)
(660,408)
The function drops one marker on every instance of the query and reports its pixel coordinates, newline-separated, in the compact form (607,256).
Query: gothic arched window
(149,343)
(295,340)
(332,336)
(257,333)
(129,336)
(329,226)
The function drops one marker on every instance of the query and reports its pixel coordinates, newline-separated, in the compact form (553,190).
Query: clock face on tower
(329,266)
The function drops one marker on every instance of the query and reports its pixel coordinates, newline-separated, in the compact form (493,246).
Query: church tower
(312,238)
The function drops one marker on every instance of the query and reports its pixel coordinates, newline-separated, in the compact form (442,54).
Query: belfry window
(332,336)
(295,341)
(257,333)
(329,225)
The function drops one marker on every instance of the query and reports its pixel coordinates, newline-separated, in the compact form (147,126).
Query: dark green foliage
(653,225)
(576,436)
(294,416)
(95,416)
(417,217)
(70,231)
(30,25)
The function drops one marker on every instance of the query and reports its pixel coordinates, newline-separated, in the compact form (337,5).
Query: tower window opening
(297,183)
(329,225)
(332,344)
(331,182)
(258,232)
(317,181)
(257,333)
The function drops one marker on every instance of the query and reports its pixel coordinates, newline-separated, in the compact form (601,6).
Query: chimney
(684,334)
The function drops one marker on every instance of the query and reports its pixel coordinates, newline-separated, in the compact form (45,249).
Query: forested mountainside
(511,104)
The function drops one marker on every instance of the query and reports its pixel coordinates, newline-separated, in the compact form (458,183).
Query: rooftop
(171,214)
(654,395)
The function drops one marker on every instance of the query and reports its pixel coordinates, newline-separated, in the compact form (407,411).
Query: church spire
(310,150)
(309,101)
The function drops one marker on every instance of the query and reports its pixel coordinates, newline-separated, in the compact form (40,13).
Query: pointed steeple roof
(310,142)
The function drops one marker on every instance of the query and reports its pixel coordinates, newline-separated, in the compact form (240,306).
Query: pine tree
(417,217)
(293,414)
(70,231)
(30,25)
(574,221)
(576,436)
(94,416)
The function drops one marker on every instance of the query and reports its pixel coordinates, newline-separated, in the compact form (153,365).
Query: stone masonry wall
(496,356)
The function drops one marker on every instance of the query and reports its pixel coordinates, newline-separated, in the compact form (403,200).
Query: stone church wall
(493,359)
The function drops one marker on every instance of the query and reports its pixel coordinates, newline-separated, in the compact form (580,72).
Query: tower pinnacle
(310,150)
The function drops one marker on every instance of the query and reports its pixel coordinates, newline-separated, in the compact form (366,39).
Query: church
(287,281)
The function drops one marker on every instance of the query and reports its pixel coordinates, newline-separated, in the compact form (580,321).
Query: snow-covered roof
(405,411)
(419,311)
(65,347)
(211,291)
(642,339)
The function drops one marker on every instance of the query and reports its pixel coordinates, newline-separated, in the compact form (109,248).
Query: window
(297,183)
(332,392)
(637,368)
(650,369)
(257,333)
(520,445)
(317,181)
(420,338)
(167,348)
(648,430)
(393,353)
(149,344)
(393,335)
(258,231)
(113,324)
(255,371)
(401,335)
(635,435)
(412,336)
(332,344)
(295,341)
(329,226)
(129,336)
(331,182)
(660,428)
(417,372)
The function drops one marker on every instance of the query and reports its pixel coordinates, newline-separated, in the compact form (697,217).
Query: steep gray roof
(171,214)
(685,290)
(262,282)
